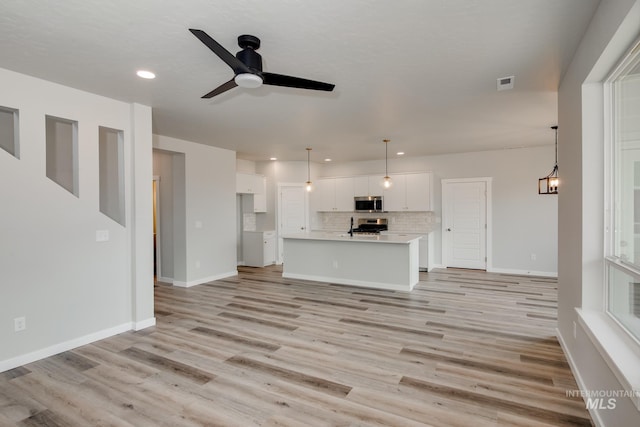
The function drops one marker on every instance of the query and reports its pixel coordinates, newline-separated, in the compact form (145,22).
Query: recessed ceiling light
(327,160)
(145,74)
(273,158)
(400,153)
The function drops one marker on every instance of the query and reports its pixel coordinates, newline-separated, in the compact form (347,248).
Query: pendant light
(549,184)
(386,181)
(309,186)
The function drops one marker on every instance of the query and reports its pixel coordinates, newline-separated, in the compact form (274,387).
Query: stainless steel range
(371,226)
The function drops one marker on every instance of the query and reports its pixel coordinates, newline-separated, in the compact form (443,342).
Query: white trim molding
(24,359)
(204,279)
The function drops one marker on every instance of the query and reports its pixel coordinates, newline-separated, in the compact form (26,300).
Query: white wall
(613,28)
(206,236)
(71,289)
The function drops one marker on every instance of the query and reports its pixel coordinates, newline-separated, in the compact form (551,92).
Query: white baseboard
(165,280)
(204,279)
(595,416)
(349,282)
(523,272)
(24,359)
(144,324)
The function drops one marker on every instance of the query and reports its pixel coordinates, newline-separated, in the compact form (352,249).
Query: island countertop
(345,237)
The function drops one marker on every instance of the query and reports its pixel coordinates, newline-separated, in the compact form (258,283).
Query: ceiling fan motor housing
(248,54)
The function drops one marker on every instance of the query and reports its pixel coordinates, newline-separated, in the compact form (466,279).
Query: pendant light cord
(386,158)
(556,129)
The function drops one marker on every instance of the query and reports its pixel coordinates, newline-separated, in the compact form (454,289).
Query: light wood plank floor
(464,348)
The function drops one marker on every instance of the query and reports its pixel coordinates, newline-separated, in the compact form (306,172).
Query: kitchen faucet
(351,228)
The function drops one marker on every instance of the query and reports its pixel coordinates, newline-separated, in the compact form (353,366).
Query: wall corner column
(142,298)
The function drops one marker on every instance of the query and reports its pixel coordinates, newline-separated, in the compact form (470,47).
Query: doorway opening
(156,229)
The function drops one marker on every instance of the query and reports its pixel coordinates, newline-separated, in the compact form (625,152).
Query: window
(62,152)
(9,131)
(623,254)
(111,173)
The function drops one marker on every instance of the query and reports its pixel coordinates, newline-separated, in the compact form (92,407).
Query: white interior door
(293,214)
(464,223)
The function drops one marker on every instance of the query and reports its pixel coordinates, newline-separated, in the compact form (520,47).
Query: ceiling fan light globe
(248,80)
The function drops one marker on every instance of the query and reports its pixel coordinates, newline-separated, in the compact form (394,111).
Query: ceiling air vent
(505,83)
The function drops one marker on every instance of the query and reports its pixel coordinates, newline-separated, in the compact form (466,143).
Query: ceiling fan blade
(289,81)
(222,88)
(236,65)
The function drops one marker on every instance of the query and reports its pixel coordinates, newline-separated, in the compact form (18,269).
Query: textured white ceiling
(419,72)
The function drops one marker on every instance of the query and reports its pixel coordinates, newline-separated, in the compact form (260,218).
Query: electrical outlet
(533,257)
(335,263)
(19,324)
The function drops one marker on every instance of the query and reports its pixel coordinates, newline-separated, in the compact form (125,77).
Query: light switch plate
(102,235)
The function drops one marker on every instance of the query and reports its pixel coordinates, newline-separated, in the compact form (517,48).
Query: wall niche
(9,140)
(62,152)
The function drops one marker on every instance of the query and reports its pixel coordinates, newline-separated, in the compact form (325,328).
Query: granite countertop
(399,238)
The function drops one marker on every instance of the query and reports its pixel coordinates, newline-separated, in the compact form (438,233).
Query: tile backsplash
(249,222)
(406,222)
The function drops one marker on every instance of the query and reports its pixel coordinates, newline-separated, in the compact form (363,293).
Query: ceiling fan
(247,67)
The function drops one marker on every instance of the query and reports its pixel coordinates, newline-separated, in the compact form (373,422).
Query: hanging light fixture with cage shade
(549,184)
(308,184)
(386,181)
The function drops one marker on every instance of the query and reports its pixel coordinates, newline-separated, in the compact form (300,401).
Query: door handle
(448,229)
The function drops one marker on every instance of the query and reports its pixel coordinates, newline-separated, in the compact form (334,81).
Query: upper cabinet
(254,192)
(333,195)
(367,185)
(409,192)
(248,183)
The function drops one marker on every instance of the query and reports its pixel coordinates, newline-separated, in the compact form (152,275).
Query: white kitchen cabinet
(370,185)
(334,195)
(395,197)
(419,194)
(361,186)
(259,248)
(254,203)
(409,192)
(248,183)
(254,192)
(323,195)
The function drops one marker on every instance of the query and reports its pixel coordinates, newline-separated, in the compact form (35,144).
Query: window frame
(612,190)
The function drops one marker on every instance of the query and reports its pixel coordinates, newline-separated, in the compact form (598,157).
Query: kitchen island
(374,261)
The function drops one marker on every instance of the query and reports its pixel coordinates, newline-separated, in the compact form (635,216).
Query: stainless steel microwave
(368,204)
